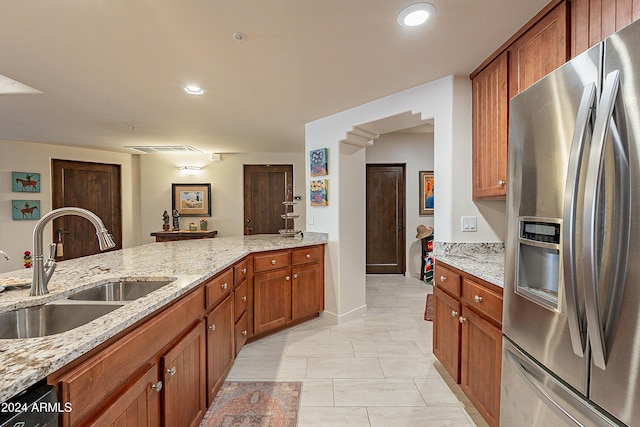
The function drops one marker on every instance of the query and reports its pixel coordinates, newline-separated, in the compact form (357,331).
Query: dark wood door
(92,186)
(265,188)
(385,219)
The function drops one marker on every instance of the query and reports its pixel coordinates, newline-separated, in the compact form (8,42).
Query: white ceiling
(111,71)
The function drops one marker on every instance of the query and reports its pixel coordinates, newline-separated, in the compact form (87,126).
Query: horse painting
(23,182)
(26,209)
(26,183)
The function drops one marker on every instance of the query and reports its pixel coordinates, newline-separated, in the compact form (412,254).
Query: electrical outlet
(469,223)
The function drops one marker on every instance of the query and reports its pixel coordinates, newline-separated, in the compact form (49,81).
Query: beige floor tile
(333,417)
(317,392)
(332,367)
(289,369)
(314,349)
(264,350)
(405,367)
(376,392)
(436,392)
(386,349)
(417,417)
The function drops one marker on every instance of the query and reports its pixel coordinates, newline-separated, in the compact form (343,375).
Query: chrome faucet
(4,254)
(42,271)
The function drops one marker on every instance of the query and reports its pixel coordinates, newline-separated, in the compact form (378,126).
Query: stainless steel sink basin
(50,319)
(124,290)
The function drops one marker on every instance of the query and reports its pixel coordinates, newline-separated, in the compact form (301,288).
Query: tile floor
(374,371)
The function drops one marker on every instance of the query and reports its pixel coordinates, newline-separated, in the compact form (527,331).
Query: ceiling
(111,72)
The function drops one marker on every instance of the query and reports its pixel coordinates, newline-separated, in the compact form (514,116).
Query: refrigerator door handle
(584,122)
(606,237)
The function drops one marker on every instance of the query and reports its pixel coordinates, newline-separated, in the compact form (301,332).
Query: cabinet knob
(171,372)
(157,386)
(501,182)
(307,256)
(244,271)
(295,276)
(244,332)
(212,328)
(287,278)
(477,299)
(224,286)
(454,313)
(243,298)
(462,319)
(442,278)
(273,262)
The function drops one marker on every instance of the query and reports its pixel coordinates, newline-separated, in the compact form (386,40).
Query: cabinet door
(594,20)
(307,291)
(446,332)
(540,50)
(481,360)
(220,342)
(272,300)
(490,129)
(184,373)
(138,405)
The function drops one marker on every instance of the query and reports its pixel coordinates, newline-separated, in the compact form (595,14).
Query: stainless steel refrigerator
(571,317)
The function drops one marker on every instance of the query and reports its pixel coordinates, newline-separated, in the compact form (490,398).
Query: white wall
(415,150)
(448,102)
(20,156)
(159,171)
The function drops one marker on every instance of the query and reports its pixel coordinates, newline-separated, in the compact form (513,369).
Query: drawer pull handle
(454,313)
(477,299)
(172,371)
(212,328)
(287,278)
(462,319)
(307,256)
(224,286)
(243,298)
(244,271)
(443,278)
(244,332)
(273,262)
(157,386)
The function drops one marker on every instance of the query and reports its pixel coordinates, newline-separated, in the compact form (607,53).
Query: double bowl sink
(75,310)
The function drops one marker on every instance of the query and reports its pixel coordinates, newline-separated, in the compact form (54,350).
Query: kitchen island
(24,362)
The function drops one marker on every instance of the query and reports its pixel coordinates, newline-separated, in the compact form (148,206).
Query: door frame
(247,185)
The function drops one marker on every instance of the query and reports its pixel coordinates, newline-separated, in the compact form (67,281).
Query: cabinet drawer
(240,271)
(241,299)
(307,255)
(271,261)
(482,300)
(242,332)
(447,280)
(219,287)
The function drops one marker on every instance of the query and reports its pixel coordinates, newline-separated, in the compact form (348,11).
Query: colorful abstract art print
(25,182)
(318,159)
(318,192)
(426,193)
(25,210)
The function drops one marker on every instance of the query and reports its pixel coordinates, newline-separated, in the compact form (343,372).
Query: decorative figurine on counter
(27,259)
(165,221)
(176,220)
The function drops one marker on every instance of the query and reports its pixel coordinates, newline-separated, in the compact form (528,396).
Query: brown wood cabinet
(243,303)
(220,345)
(594,20)
(467,336)
(307,286)
(272,305)
(490,124)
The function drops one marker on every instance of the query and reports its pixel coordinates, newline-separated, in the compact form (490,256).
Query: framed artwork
(25,210)
(25,182)
(426,193)
(318,160)
(191,199)
(318,192)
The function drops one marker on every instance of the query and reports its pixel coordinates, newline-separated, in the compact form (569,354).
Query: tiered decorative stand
(289,215)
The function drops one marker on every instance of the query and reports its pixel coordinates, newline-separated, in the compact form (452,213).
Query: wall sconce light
(190,170)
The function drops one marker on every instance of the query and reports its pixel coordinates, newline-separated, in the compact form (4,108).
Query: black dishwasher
(37,407)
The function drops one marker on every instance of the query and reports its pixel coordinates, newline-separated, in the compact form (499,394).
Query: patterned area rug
(428,310)
(255,404)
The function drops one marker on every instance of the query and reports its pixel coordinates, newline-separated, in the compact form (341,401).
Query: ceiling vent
(164,148)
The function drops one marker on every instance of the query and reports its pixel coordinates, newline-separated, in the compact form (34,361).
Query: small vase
(192,227)
(203,225)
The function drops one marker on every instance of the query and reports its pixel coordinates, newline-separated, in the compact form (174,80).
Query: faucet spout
(42,272)
(4,254)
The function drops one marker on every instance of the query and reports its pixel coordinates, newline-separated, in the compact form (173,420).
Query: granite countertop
(23,362)
(483,260)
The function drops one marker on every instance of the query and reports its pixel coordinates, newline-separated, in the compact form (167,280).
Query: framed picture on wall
(25,182)
(25,210)
(191,199)
(426,193)
(318,192)
(318,162)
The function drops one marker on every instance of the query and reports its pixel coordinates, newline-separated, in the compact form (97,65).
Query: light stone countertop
(24,362)
(483,260)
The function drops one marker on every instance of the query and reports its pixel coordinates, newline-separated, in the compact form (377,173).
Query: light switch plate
(469,223)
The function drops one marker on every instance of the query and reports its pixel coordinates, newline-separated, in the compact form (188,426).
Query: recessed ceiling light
(193,90)
(416,14)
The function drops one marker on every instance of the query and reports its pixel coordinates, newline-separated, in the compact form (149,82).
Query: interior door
(265,188)
(385,219)
(92,186)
